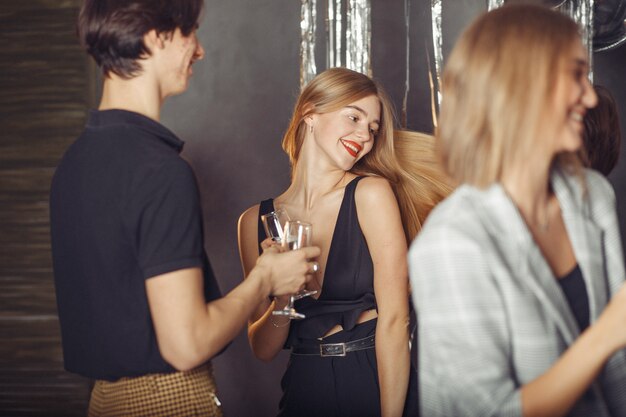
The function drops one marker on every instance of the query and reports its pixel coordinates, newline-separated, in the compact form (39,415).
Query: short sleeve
(463,338)
(166,219)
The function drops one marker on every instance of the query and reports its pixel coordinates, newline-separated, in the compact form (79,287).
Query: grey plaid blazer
(492,316)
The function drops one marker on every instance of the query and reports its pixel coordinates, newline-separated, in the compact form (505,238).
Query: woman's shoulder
(588,188)
(249,216)
(453,228)
(598,185)
(372,185)
(463,213)
(464,200)
(373,190)
(600,197)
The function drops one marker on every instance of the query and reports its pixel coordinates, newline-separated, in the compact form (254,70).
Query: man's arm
(189,331)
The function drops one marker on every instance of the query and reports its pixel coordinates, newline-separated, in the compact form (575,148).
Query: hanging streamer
(358,36)
(357,33)
(334,21)
(407,21)
(435,80)
(307,44)
(494,4)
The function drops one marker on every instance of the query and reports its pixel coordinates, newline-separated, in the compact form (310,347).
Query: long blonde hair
(407,160)
(497,86)
(422,178)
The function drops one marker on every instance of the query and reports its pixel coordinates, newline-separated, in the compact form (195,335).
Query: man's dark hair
(112,31)
(602,135)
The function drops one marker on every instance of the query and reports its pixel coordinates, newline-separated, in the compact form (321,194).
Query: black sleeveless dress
(337,386)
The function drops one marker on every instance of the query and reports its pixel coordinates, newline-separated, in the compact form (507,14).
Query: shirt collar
(102,118)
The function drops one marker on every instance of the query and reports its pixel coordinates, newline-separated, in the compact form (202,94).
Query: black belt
(334,349)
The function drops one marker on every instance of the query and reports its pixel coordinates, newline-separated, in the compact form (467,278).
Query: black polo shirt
(124,207)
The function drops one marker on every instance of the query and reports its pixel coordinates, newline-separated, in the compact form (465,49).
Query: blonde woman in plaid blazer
(499,332)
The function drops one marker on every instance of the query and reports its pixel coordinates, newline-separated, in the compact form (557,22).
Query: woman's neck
(315,176)
(309,185)
(528,185)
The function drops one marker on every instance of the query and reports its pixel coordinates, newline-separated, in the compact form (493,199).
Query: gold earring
(311,128)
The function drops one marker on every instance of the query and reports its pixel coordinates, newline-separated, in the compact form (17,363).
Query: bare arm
(265,338)
(379,217)
(190,331)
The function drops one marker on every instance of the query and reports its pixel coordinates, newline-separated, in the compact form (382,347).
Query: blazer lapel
(544,285)
(586,239)
(510,231)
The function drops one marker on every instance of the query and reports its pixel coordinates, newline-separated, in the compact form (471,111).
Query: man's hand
(287,272)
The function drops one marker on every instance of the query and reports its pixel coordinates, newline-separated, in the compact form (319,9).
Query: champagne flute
(296,235)
(273,223)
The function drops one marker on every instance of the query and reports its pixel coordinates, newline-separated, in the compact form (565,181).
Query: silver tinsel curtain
(348,36)
(579,10)
(308,17)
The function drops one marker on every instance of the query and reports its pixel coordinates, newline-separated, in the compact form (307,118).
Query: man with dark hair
(139,307)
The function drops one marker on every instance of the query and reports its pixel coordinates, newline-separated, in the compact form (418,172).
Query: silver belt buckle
(333,349)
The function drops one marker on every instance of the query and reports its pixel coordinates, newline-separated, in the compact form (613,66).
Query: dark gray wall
(610,71)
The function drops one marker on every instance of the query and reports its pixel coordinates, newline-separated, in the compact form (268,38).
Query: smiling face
(180,52)
(573,95)
(346,135)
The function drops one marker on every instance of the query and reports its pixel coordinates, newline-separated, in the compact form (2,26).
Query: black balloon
(608,24)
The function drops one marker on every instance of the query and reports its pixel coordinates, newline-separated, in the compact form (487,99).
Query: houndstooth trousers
(189,393)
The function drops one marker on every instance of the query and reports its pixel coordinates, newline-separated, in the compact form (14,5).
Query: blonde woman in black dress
(350,355)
